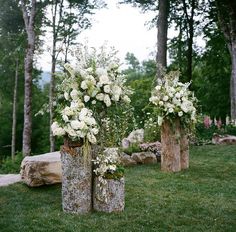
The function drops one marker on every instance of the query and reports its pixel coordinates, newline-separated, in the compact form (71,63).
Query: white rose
(66,95)
(171,110)
(83,113)
(83,85)
(100,96)
(177,95)
(158,87)
(75,124)
(89,121)
(92,139)
(104,79)
(161,103)
(68,111)
(74,94)
(94,102)
(107,89)
(165,98)
(95,131)
(54,126)
(86,98)
(180,114)
(116,90)
(65,118)
(59,132)
(107,100)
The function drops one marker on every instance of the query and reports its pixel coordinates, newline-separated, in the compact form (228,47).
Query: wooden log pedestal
(76,180)
(170,142)
(184,149)
(115,192)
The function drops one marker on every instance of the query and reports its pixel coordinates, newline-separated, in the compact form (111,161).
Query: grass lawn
(202,198)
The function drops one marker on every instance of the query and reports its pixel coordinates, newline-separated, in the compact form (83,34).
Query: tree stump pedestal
(115,196)
(76,181)
(170,142)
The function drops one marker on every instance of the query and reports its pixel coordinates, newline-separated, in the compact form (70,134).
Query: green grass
(202,198)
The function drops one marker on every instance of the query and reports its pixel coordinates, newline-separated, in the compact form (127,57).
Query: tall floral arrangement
(89,87)
(174,99)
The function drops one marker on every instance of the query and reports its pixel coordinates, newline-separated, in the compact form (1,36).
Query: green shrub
(11,166)
(133,148)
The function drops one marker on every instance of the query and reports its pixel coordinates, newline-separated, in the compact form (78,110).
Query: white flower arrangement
(174,99)
(94,84)
(107,166)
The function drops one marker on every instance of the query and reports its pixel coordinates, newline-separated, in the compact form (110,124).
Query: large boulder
(224,139)
(41,169)
(144,157)
(126,160)
(154,147)
(135,137)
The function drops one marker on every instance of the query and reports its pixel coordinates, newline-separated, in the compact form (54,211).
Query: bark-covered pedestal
(115,196)
(170,142)
(184,149)
(76,180)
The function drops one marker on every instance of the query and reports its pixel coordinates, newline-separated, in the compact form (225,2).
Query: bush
(133,148)
(204,135)
(11,166)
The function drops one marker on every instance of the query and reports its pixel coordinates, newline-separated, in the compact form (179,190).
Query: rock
(136,136)
(126,160)
(144,157)
(227,139)
(154,147)
(41,169)
(114,198)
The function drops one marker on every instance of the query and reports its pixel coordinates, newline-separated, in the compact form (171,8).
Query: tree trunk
(227,22)
(233,82)
(170,142)
(13,137)
(162,27)
(184,149)
(29,20)
(51,100)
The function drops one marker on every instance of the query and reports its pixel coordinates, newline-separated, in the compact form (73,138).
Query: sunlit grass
(202,198)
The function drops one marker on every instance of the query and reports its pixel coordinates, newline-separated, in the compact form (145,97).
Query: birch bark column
(29,12)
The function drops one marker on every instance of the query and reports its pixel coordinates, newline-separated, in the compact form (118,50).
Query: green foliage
(119,173)
(204,135)
(133,148)
(199,199)
(152,131)
(8,165)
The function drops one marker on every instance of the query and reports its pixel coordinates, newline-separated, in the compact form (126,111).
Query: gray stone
(224,139)
(115,192)
(76,181)
(136,136)
(144,157)
(126,160)
(41,169)
(154,147)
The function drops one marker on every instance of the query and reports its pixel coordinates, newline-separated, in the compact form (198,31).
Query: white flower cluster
(107,162)
(173,99)
(89,83)
(96,84)
(77,123)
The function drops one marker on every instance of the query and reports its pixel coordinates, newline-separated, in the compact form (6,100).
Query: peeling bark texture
(115,190)
(76,181)
(170,141)
(184,149)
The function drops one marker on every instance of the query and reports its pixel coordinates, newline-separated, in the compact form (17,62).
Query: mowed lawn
(202,198)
